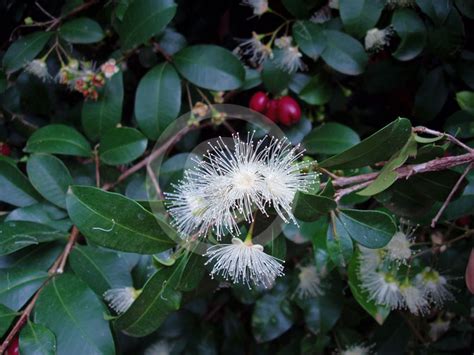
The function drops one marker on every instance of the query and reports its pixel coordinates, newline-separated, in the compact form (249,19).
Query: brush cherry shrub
(236,177)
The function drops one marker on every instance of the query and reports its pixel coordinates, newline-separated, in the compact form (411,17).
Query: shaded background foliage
(425,86)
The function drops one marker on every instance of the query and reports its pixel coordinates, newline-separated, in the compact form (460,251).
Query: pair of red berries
(284,110)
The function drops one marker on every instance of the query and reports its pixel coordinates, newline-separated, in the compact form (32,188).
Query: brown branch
(67,250)
(157,49)
(56,22)
(343,192)
(421,129)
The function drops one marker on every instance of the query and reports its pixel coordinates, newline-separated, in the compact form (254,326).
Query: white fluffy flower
(255,49)
(357,349)
(414,298)
(120,299)
(370,259)
(434,286)
(398,249)
(309,284)
(283,41)
(289,57)
(244,262)
(39,69)
(376,39)
(383,288)
(259,6)
(322,15)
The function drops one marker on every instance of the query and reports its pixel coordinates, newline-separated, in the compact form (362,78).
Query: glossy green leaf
(24,50)
(16,235)
(322,312)
(318,91)
(81,30)
(36,339)
(43,213)
(38,257)
(465,100)
(273,314)
(344,53)
(438,11)
(158,100)
(359,16)
(121,145)
(411,29)
(105,113)
(378,147)
(431,95)
(252,79)
(58,139)
(151,308)
(210,67)
(378,312)
(15,187)
(50,177)
(144,19)
(309,208)
(75,315)
(460,124)
(339,245)
(274,78)
(330,138)
(7,316)
(388,175)
(116,222)
(191,270)
(100,269)
(310,38)
(17,285)
(371,229)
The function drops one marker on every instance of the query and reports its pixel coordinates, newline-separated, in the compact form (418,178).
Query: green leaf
(309,208)
(24,50)
(252,79)
(6,318)
(121,146)
(318,91)
(81,30)
(466,8)
(330,138)
(431,95)
(36,339)
(116,222)
(387,175)
(465,100)
(150,309)
(446,40)
(50,177)
(310,38)
(273,314)
(438,11)
(144,19)
(210,67)
(58,139)
(411,29)
(371,229)
(378,147)
(105,113)
(359,16)
(16,235)
(17,285)
(274,78)
(378,312)
(75,315)
(322,312)
(344,53)
(460,124)
(191,270)
(100,269)
(339,245)
(158,100)
(15,187)
(43,213)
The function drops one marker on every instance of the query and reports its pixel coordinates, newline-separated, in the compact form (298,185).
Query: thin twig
(158,49)
(67,249)
(43,10)
(340,193)
(450,196)
(327,172)
(154,181)
(435,249)
(421,129)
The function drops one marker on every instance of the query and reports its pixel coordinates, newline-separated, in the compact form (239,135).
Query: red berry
(13,347)
(259,102)
(5,149)
(272,110)
(470,273)
(464,221)
(289,111)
